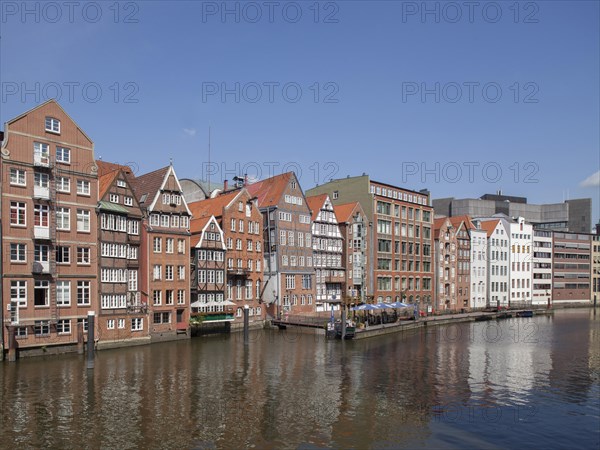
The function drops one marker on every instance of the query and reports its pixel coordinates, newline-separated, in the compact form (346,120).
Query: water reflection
(514,382)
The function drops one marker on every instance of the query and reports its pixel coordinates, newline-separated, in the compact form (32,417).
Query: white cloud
(189,131)
(591,181)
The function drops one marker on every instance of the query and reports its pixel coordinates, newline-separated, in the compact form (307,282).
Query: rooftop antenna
(209,166)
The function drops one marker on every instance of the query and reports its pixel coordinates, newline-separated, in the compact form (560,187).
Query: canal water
(516,383)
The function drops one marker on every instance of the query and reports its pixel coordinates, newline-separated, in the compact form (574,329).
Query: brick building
(462,224)
(122,316)
(400,252)
(328,248)
(164,256)
(241,221)
(288,267)
(49,233)
(446,278)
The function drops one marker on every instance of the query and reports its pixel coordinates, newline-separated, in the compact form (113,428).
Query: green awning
(108,206)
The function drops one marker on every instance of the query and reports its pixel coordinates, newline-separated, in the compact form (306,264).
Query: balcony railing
(40,267)
(238,271)
(41,232)
(41,192)
(41,160)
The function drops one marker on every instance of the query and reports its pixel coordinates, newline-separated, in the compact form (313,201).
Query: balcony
(238,271)
(41,233)
(41,267)
(40,192)
(41,160)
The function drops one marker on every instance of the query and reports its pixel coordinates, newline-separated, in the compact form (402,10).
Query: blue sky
(362,69)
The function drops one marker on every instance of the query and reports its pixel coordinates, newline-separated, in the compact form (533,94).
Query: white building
(498,238)
(327,244)
(542,267)
(479,258)
(521,261)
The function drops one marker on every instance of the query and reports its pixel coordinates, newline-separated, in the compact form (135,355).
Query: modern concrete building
(165,261)
(595,291)
(288,253)
(571,267)
(400,220)
(498,238)
(571,215)
(355,232)
(121,312)
(328,248)
(49,189)
(542,267)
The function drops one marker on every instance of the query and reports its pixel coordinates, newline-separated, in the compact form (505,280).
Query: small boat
(350,330)
(524,313)
(504,315)
(482,318)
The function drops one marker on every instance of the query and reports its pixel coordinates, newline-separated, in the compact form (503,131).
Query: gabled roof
(105,167)
(343,212)
(489,226)
(149,184)
(457,221)
(269,191)
(439,223)
(201,225)
(105,182)
(210,207)
(315,203)
(44,104)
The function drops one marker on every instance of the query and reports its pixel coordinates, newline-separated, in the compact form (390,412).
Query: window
(238,244)
(110,324)
(41,154)
(63,184)
(83,256)
(181,297)
(157,272)
(114,198)
(128,201)
(83,220)
(170,245)
(17,177)
(63,155)
(336,195)
(157,298)
(169,297)
(181,246)
(121,324)
(63,255)
(40,215)
(83,187)
(169,273)
(63,293)
(306,282)
(83,292)
(181,272)
(41,293)
(132,284)
(137,324)
(18,292)
(41,327)
(17,214)
(157,245)
(52,125)
(18,252)
(282,236)
(290,282)
(232,224)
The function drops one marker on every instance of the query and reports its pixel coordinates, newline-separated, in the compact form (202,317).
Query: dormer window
(52,125)
(121,183)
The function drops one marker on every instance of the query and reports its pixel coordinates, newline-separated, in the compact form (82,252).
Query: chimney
(245,179)
(225,185)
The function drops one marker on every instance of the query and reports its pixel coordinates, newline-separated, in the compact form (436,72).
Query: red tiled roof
(438,224)
(205,209)
(196,227)
(489,226)
(343,212)
(269,191)
(457,220)
(315,203)
(107,172)
(149,184)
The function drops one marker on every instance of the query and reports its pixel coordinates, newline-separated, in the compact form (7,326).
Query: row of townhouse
(146,252)
(511,263)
